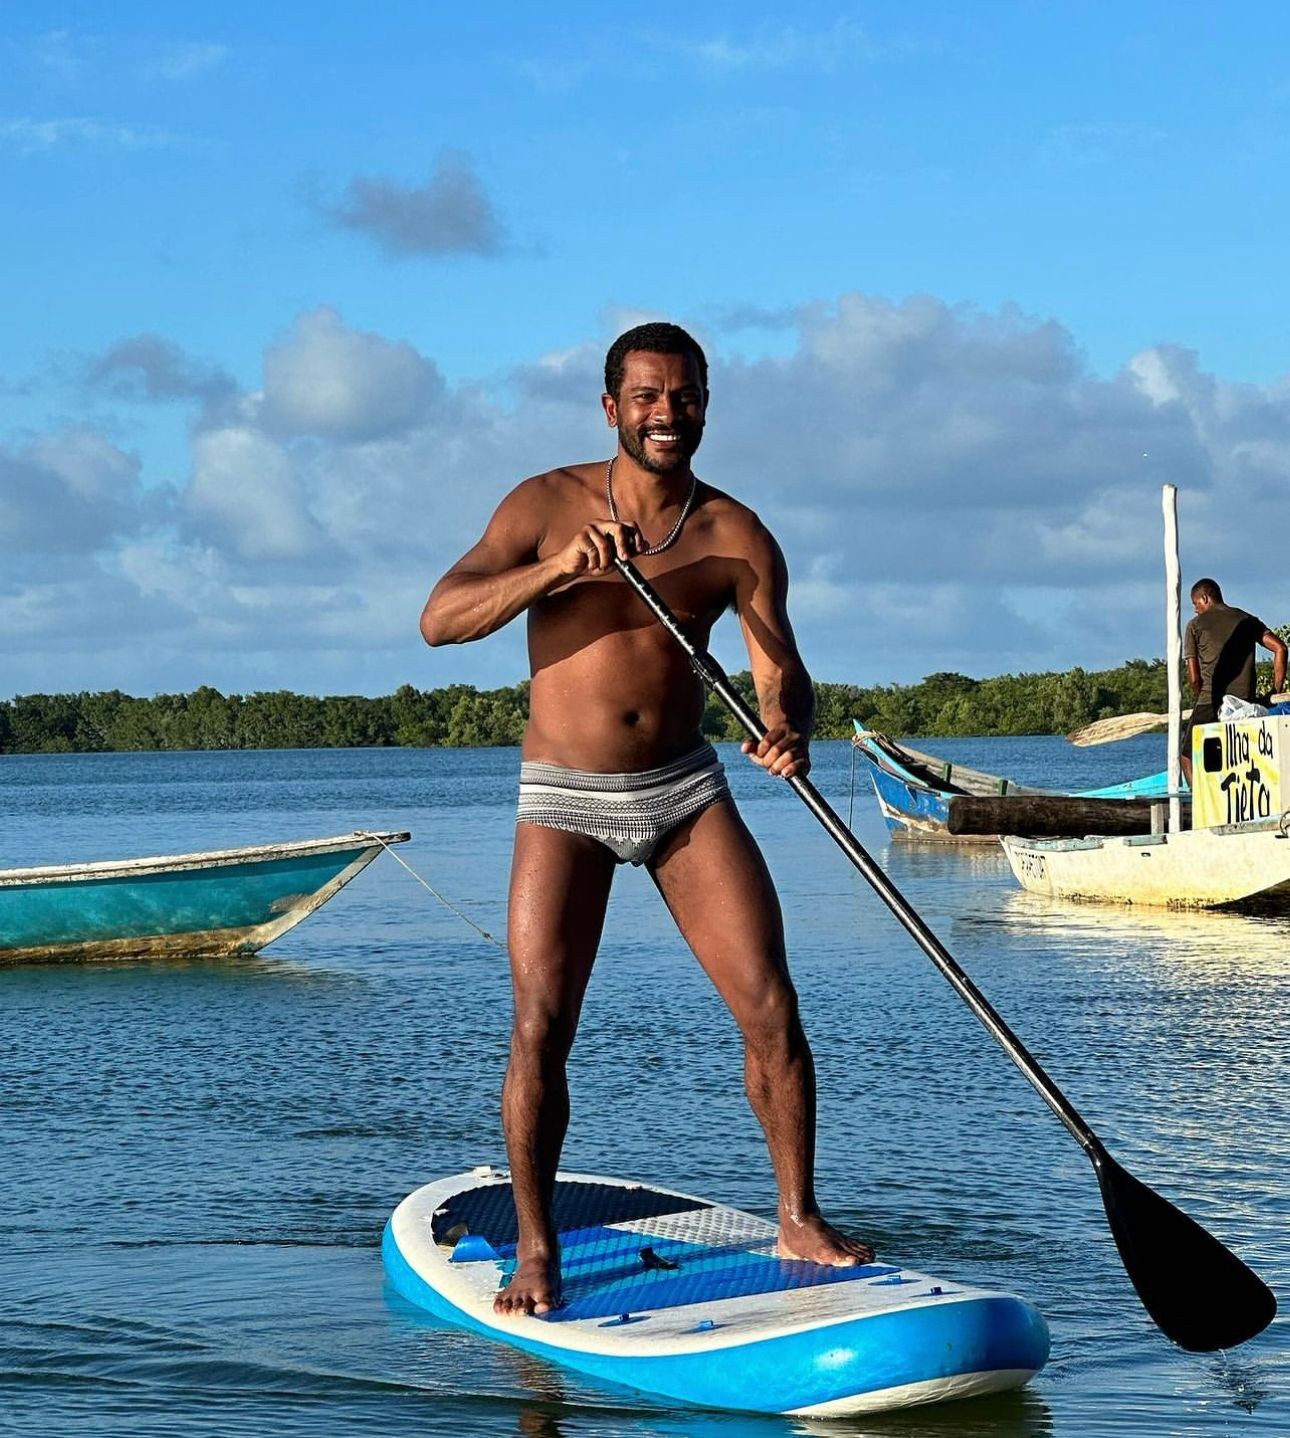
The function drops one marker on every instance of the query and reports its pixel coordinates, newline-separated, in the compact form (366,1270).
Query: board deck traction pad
(640,1263)
(611,1264)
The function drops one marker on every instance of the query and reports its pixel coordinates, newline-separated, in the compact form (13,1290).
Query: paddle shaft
(718,681)
(1199,1293)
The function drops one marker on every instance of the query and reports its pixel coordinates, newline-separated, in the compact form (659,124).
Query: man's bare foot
(819,1242)
(534,1287)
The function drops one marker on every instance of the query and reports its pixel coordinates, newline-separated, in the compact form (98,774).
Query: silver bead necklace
(672,533)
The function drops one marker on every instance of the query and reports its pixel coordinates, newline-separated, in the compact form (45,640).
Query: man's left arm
(1277,645)
(785,694)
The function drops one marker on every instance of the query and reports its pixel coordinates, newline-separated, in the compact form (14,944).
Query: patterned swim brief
(629,813)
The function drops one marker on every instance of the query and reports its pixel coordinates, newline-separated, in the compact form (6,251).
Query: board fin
(473,1248)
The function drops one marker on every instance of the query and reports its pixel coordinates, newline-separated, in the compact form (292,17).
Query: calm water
(199,1157)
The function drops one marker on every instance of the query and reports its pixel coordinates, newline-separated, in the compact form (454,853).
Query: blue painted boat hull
(914,793)
(222,902)
(905,806)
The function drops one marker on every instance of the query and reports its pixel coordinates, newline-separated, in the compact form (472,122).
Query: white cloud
(187,60)
(925,449)
(57,52)
(30,136)
(71,492)
(327,379)
(1150,371)
(954,490)
(61,620)
(70,58)
(193,575)
(741,54)
(245,491)
(89,465)
(785,47)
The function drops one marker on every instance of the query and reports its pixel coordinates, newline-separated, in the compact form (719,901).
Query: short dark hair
(657,338)
(1207,589)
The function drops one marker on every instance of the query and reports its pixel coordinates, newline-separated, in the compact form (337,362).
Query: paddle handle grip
(716,679)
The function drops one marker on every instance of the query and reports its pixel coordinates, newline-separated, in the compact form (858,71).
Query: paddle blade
(1198,1292)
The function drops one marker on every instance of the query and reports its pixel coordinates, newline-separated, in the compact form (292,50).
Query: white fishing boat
(1237,852)
(1243,866)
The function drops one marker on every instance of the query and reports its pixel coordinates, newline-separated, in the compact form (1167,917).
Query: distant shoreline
(942,705)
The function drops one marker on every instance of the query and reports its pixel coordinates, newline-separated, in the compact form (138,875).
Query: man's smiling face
(659,410)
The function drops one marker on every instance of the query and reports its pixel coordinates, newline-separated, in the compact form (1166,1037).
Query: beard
(689,438)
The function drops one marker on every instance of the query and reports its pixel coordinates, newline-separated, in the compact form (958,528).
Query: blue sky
(291,299)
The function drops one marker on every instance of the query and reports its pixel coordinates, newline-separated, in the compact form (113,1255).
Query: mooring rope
(851,798)
(446,902)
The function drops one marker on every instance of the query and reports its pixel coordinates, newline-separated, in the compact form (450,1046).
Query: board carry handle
(1197,1291)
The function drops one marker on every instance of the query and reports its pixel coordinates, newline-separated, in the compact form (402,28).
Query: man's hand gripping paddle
(1198,1292)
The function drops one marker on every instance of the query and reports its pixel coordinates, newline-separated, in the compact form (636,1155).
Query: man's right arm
(502,575)
(477,596)
(1192,658)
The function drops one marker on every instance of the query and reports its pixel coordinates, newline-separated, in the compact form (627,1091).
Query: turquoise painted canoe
(226,901)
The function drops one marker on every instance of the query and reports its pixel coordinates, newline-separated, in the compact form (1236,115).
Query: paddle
(1119,726)
(1198,1292)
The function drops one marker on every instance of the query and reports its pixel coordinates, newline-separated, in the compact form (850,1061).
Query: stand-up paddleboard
(687,1299)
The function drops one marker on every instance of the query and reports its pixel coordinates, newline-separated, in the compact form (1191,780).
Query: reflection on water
(1021,1414)
(1187,948)
(1246,1382)
(907,862)
(559,1410)
(1233,943)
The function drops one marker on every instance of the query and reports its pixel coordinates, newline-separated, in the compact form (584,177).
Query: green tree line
(460,715)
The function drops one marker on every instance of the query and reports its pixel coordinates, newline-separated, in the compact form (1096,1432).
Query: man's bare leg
(715,882)
(559,888)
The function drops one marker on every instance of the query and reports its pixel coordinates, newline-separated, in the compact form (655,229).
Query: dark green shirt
(1223,640)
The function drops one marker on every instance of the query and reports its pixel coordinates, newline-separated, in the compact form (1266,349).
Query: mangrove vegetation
(460,715)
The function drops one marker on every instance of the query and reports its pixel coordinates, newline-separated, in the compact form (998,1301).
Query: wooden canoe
(924,797)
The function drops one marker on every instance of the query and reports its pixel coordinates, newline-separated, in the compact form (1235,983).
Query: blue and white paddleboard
(687,1299)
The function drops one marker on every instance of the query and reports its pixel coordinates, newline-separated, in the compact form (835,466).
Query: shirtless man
(615,769)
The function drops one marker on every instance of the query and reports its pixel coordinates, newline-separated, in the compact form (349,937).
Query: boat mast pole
(1173,651)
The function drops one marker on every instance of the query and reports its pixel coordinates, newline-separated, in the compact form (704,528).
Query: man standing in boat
(615,769)
(1218,648)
